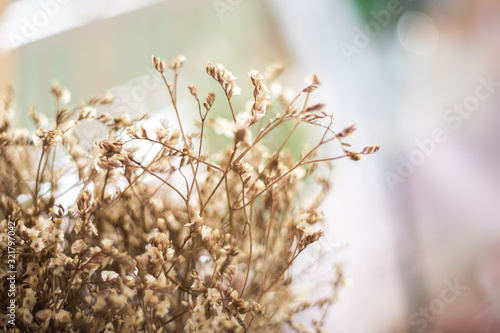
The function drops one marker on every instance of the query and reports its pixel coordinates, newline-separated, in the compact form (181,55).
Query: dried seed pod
(370,149)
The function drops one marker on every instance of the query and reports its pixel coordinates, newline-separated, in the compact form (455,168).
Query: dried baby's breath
(147,231)
(224,77)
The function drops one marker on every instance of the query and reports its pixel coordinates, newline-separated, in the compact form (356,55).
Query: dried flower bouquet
(161,236)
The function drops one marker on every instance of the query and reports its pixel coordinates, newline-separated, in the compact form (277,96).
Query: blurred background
(417,225)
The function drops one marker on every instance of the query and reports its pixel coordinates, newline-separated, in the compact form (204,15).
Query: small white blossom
(26,316)
(32,268)
(163,307)
(37,245)
(305,227)
(65,96)
(109,275)
(63,316)
(170,253)
(29,299)
(44,314)
(78,246)
(107,242)
(205,232)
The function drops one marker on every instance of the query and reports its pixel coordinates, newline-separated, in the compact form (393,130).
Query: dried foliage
(161,235)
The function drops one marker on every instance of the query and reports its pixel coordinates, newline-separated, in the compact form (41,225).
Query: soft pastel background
(404,234)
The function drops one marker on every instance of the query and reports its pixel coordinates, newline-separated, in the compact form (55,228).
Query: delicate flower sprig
(225,78)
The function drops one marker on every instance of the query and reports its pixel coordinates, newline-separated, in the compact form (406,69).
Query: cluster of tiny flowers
(224,77)
(140,229)
(261,96)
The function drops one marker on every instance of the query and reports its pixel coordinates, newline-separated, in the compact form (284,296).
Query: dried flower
(44,315)
(166,233)
(37,244)
(47,138)
(108,275)
(261,96)
(193,90)
(32,268)
(163,308)
(87,112)
(63,316)
(225,78)
(312,80)
(370,150)
(78,246)
(305,228)
(62,94)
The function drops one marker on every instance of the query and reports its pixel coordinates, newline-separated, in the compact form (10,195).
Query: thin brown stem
(276,153)
(104,184)
(268,232)
(228,167)
(37,180)
(249,223)
(295,254)
(157,177)
(198,159)
(230,106)
(172,97)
